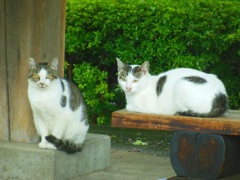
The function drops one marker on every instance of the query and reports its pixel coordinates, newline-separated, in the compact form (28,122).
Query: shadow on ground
(151,142)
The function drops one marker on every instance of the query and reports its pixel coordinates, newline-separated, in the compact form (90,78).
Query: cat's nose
(41,84)
(128,89)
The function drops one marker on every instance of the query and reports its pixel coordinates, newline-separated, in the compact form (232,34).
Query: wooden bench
(201,148)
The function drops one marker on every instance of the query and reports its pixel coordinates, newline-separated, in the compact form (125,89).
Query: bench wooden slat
(228,124)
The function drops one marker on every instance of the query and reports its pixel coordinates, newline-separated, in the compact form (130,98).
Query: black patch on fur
(84,116)
(195,79)
(43,64)
(124,73)
(63,101)
(219,107)
(160,84)
(76,99)
(75,96)
(136,72)
(128,68)
(135,69)
(65,146)
(62,84)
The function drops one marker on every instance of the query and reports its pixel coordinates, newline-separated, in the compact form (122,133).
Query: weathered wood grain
(228,124)
(4,126)
(205,156)
(27,29)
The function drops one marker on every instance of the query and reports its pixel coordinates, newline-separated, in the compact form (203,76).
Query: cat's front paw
(46,145)
(50,146)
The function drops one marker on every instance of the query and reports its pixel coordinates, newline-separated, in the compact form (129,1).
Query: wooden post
(4,124)
(27,29)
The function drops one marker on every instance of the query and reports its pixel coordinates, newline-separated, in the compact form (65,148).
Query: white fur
(178,95)
(50,117)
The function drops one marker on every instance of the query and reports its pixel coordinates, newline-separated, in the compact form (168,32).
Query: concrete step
(28,161)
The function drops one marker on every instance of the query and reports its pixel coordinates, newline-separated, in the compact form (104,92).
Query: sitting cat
(180,91)
(59,111)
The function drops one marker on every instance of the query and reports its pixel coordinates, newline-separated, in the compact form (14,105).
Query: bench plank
(228,124)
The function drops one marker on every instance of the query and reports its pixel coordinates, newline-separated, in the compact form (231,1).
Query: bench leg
(205,156)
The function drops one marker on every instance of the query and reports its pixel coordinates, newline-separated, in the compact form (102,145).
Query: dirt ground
(135,155)
(151,142)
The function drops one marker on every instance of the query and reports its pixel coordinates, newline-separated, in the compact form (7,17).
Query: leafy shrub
(200,34)
(92,82)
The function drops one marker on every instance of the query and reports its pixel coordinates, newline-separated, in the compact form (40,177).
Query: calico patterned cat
(180,91)
(58,107)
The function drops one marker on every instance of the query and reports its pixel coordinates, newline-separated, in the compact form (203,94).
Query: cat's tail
(66,146)
(219,107)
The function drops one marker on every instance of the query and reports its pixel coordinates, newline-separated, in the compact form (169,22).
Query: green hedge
(200,34)
(92,82)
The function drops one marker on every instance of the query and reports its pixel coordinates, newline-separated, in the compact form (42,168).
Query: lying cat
(180,91)
(59,111)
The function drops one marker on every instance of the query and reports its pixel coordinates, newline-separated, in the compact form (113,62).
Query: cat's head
(132,78)
(42,75)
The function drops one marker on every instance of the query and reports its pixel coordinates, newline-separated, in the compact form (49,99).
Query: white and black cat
(180,91)
(58,107)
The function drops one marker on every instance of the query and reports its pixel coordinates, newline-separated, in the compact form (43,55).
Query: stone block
(28,161)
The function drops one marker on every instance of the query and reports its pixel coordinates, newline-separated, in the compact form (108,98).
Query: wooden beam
(228,124)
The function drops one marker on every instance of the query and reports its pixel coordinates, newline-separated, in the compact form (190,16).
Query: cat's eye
(36,77)
(135,81)
(123,79)
(50,76)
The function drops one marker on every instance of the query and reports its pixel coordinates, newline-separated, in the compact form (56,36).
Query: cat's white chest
(142,102)
(44,100)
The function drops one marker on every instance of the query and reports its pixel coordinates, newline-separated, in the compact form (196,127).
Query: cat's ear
(32,64)
(121,65)
(144,67)
(54,64)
